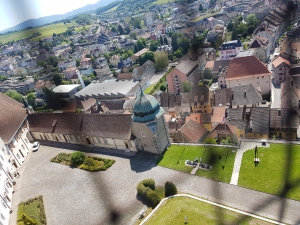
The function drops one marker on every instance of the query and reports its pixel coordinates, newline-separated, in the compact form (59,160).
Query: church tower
(148,125)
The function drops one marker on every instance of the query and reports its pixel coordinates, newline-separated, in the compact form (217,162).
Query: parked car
(35,146)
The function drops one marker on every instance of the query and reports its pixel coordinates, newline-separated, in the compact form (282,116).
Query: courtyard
(74,196)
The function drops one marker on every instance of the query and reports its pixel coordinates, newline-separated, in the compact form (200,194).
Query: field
(46,31)
(221,158)
(161,2)
(277,173)
(175,210)
(112,9)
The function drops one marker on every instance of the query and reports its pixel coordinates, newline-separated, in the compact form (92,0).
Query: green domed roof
(145,108)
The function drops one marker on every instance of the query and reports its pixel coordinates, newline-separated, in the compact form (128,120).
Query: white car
(35,146)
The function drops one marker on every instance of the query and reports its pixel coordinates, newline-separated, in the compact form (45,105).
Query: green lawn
(148,89)
(222,160)
(33,208)
(46,31)
(174,210)
(277,173)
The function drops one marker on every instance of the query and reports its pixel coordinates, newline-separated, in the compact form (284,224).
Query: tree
(161,60)
(207,74)
(200,7)
(57,78)
(153,45)
(53,60)
(77,158)
(210,140)
(166,40)
(174,42)
(153,198)
(31,99)
(187,86)
(147,56)
(163,87)
(113,29)
(184,43)
(120,29)
(252,20)
(226,141)
(77,63)
(127,30)
(178,53)
(161,40)
(86,80)
(141,43)
(51,99)
(14,95)
(137,23)
(170,189)
(242,28)
(230,26)
(134,36)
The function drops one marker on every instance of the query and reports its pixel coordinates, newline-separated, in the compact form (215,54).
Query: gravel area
(74,196)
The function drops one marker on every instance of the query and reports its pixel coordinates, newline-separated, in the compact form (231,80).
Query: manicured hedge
(146,190)
(170,189)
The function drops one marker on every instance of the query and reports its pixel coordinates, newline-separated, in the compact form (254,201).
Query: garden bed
(32,212)
(89,163)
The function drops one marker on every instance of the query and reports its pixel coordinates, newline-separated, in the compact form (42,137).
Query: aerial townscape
(152,112)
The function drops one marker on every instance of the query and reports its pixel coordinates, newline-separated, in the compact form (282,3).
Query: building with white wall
(230,49)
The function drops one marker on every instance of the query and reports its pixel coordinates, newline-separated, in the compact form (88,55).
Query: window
(143,135)
(257,78)
(23,147)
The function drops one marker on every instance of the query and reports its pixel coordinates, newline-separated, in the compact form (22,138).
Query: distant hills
(90,8)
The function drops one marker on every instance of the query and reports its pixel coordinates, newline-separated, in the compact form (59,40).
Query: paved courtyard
(74,196)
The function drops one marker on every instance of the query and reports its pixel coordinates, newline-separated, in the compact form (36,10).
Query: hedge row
(161,80)
(146,190)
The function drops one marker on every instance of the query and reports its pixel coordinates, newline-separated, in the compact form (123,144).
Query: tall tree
(57,78)
(161,40)
(187,86)
(120,28)
(161,60)
(31,99)
(51,99)
(53,60)
(147,56)
(153,45)
(127,30)
(184,43)
(166,41)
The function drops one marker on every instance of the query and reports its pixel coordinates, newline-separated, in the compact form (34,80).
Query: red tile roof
(12,115)
(192,130)
(244,67)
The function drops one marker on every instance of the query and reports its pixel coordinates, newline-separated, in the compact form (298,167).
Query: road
(74,196)
(275,88)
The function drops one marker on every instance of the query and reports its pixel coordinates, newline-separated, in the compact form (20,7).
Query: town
(168,90)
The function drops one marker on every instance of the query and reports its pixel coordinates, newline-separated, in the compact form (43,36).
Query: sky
(13,12)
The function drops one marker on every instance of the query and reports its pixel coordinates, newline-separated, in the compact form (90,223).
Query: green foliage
(113,29)
(230,26)
(127,30)
(86,80)
(31,99)
(77,158)
(210,140)
(3,78)
(57,78)
(187,86)
(178,53)
(163,87)
(154,45)
(161,60)
(27,220)
(78,111)
(32,212)
(207,73)
(120,29)
(170,189)
(153,198)
(83,19)
(51,98)
(137,23)
(147,56)
(14,95)
(252,20)
(53,60)
(226,141)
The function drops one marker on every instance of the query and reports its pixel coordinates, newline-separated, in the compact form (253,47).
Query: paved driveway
(74,196)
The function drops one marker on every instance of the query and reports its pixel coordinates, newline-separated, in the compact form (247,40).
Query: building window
(257,78)
(143,135)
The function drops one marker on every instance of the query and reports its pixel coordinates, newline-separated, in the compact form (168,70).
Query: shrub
(27,220)
(77,158)
(170,189)
(145,186)
(210,140)
(153,198)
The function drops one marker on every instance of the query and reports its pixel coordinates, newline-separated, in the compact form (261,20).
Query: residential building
(259,123)
(230,49)
(283,123)
(14,147)
(261,47)
(191,132)
(66,91)
(245,95)
(62,65)
(69,72)
(248,70)
(290,93)
(135,56)
(201,101)
(184,71)
(86,70)
(280,67)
